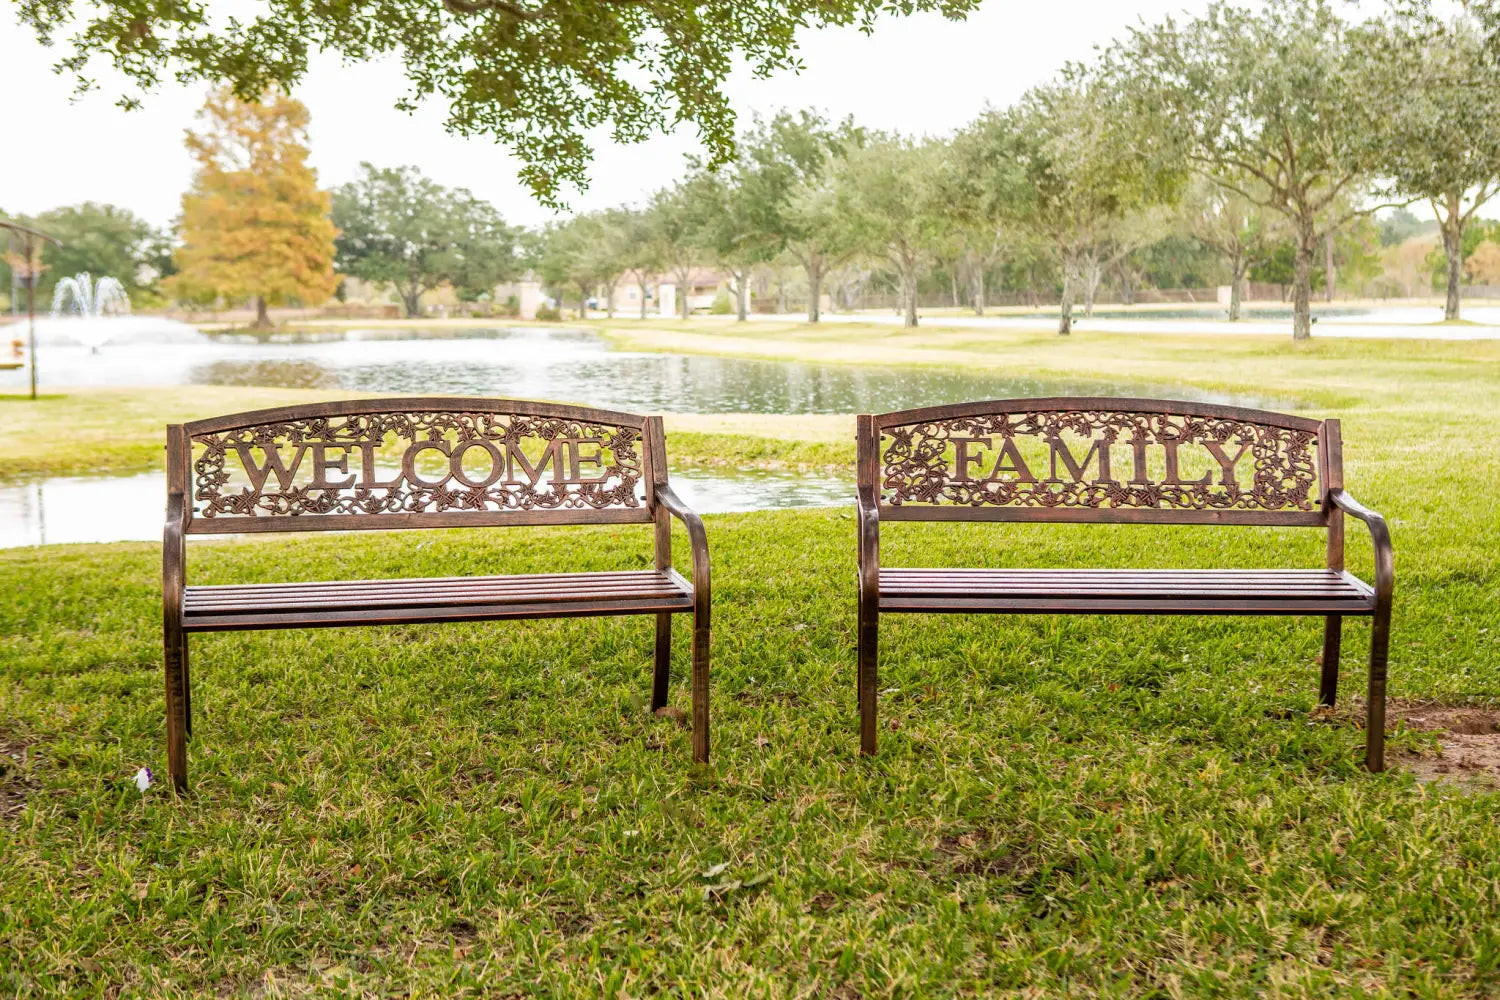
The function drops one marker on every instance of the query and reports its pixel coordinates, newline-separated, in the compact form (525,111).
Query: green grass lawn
(1062,806)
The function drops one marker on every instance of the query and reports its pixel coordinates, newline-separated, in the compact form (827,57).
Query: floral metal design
(285,488)
(918,462)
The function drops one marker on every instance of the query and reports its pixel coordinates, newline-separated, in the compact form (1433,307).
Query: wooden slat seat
(1107,591)
(471,598)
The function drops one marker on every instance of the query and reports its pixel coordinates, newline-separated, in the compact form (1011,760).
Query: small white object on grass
(143,778)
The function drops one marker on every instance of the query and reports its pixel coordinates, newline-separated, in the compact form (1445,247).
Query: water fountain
(90,300)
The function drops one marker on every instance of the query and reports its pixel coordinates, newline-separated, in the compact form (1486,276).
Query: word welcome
(1006,463)
(476,463)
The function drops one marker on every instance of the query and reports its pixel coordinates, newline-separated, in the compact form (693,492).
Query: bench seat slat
(433,600)
(1168,591)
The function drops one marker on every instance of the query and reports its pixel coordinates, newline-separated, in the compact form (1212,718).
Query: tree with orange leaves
(254,224)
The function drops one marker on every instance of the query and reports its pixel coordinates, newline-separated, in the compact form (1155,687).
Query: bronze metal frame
(1298,481)
(196,504)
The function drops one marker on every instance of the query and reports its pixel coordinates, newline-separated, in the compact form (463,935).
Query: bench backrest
(1099,459)
(414,463)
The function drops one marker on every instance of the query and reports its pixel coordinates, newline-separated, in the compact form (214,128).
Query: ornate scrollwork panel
(1100,459)
(417,462)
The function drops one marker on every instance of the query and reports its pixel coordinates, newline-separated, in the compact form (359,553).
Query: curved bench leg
(1333,632)
(869,631)
(174,643)
(700,686)
(663,678)
(1380,639)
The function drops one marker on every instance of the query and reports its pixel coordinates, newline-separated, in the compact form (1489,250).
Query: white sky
(918,75)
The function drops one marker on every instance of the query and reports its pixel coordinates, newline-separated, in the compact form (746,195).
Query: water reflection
(131,508)
(561,364)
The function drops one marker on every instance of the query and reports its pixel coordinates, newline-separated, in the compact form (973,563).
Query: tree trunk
(682,298)
(976,290)
(609,303)
(953,282)
(742,295)
(909,294)
(1065,311)
(641,284)
(412,299)
(1236,284)
(1328,272)
(1091,277)
(814,271)
(583,301)
(1302,283)
(262,314)
(1453,247)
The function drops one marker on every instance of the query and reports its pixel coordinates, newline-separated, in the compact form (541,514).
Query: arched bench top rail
(413,462)
(1110,404)
(413,404)
(1107,459)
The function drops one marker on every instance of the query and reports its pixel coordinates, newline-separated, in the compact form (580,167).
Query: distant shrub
(548,313)
(721,304)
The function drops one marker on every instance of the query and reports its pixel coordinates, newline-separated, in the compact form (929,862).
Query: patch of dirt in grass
(976,855)
(15,777)
(1469,739)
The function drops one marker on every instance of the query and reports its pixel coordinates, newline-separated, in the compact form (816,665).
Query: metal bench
(424,463)
(1153,462)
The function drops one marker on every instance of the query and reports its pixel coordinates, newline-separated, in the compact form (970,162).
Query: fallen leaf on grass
(722,889)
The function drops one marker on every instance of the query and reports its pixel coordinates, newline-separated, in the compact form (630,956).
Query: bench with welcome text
(1029,460)
(422,463)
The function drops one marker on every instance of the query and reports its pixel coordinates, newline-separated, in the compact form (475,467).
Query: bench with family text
(1123,461)
(424,463)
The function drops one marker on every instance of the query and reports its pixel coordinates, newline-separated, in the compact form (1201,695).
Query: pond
(527,363)
(559,364)
(66,509)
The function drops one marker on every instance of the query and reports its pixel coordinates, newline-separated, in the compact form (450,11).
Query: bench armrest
(697,542)
(867,520)
(174,554)
(1380,535)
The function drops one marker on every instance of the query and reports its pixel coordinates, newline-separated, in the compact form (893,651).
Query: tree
(1067,170)
(1272,94)
(1400,226)
(639,254)
(975,186)
(582,251)
(1483,265)
(886,194)
(675,221)
(398,226)
(99,239)
(1440,136)
(536,75)
(812,230)
(742,209)
(1236,226)
(254,223)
